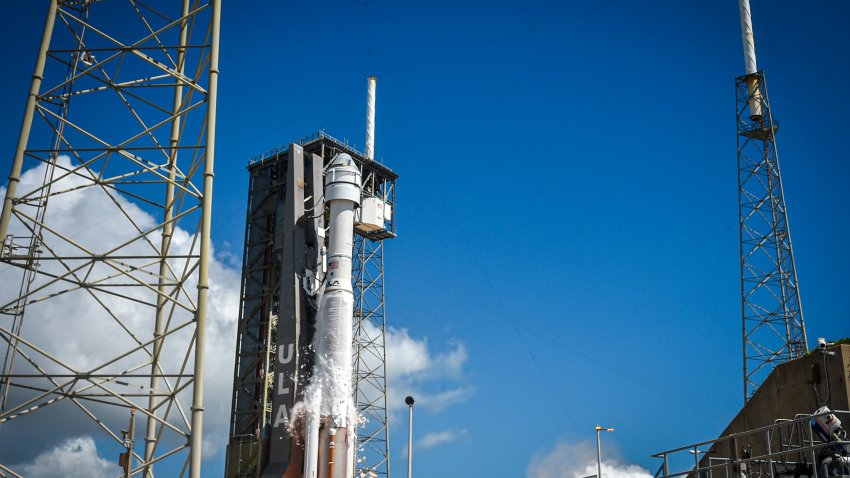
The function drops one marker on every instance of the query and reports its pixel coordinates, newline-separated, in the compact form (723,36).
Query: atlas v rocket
(330,405)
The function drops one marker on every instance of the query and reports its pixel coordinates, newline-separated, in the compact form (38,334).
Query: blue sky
(567,208)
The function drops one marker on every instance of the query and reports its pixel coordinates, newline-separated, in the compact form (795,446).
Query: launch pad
(285,240)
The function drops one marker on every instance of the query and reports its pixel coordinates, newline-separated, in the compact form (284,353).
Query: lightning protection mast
(106,220)
(772,316)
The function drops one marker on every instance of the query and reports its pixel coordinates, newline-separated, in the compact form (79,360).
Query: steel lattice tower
(370,367)
(772,317)
(119,124)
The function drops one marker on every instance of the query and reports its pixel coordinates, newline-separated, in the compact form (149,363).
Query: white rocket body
(331,392)
(750,59)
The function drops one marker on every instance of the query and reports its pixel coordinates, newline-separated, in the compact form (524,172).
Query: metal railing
(272,153)
(786,448)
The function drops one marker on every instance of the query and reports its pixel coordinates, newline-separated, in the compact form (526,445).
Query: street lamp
(409,401)
(599,449)
(696,452)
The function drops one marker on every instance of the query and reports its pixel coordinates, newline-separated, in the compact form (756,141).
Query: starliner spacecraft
(318,211)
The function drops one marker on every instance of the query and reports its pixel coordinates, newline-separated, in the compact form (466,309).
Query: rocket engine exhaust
(331,413)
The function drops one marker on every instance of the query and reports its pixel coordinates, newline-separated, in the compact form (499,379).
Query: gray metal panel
(289,313)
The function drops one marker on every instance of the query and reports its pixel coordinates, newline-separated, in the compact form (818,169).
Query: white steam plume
(578,460)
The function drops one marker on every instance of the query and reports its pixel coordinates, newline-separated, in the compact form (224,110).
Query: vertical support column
(167,231)
(12,186)
(26,123)
(598,453)
(203,268)
(409,401)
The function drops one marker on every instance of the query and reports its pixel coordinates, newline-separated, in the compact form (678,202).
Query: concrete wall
(790,390)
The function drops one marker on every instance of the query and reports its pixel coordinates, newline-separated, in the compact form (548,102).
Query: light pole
(599,449)
(129,442)
(409,401)
(696,453)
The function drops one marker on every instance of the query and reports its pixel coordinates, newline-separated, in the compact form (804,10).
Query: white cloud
(433,439)
(73,458)
(409,356)
(435,379)
(578,460)
(75,328)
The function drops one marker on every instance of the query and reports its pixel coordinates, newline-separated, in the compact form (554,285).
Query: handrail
(758,447)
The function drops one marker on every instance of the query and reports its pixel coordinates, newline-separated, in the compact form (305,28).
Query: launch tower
(283,266)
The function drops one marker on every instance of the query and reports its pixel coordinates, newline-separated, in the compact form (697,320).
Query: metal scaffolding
(370,371)
(256,344)
(370,361)
(113,234)
(772,317)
